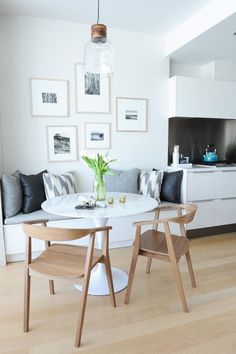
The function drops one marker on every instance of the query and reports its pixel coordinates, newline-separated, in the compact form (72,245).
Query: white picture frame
(92,92)
(62,143)
(97,136)
(131,114)
(49,97)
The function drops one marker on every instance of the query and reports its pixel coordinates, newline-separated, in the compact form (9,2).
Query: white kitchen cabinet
(199,97)
(225,211)
(205,215)
(214,191)
(226,184)
(201,185)
(186,97)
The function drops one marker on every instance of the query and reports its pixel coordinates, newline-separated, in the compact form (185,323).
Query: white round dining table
(134,204)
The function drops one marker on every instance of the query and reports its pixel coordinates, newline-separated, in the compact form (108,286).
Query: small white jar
(175,156)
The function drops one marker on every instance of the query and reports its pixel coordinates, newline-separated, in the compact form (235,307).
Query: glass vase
(99,188)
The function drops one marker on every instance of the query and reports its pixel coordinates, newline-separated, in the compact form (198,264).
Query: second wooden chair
(164,246)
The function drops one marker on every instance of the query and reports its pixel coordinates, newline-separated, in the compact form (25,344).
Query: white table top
(65,206)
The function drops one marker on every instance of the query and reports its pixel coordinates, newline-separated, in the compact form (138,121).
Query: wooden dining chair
(164,246)
(64,261)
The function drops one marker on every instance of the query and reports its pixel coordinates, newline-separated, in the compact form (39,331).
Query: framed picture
(131,114)
(62,143)
(97,135)
(92,92)
(49,97)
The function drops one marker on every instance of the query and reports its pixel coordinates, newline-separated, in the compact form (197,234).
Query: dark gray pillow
(11,195)
(171,186)
(33,191)
(123,181)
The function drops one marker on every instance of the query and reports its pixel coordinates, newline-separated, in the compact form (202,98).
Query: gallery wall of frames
(50,98)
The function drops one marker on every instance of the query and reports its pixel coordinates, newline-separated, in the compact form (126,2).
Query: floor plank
(153,322)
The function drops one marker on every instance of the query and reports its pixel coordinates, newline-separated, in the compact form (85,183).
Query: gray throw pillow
(11,195)
(56,185)
(123,181)
(150,184)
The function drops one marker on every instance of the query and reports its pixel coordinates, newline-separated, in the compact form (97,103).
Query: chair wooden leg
(109,279)
(27,300)
(88,268)
(131,274)
(51,287)
(149,263)
(179,284)
(190,269)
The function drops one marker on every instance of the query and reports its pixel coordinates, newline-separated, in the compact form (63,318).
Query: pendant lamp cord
(98,11)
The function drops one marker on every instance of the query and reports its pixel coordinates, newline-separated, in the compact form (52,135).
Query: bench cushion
(35,215)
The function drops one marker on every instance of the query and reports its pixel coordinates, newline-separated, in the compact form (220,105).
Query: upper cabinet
(206,98)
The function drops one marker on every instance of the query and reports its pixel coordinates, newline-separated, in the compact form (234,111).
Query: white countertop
(198,168)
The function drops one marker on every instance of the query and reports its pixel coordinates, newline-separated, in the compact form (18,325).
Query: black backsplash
(194,134)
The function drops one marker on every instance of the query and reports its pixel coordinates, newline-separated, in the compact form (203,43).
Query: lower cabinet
(205,215)
(225,211)
(214,191)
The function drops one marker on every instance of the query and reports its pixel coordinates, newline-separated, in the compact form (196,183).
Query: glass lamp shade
(99,57)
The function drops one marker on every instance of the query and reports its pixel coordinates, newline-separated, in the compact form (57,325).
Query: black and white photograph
(97,135)
(62,143)
(92,92)
(92,84)
(49,97)
(131,114)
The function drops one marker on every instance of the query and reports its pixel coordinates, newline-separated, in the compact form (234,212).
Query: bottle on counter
(175,156)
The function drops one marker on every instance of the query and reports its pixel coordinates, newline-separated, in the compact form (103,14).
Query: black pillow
(33,191)
(171,186)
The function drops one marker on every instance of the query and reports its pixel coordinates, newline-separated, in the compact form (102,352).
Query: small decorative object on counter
(175,156)
(110,200)
(100,165)
(122,199)
(210,154)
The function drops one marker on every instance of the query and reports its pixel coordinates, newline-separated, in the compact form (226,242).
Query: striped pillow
(150,184)
(56,185)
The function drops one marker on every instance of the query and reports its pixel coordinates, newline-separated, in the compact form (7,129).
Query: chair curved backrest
(186,214)
(42,232)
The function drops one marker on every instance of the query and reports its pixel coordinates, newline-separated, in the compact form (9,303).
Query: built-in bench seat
(35,215)
(12,239)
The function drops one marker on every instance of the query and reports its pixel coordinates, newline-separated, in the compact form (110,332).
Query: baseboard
(209,231)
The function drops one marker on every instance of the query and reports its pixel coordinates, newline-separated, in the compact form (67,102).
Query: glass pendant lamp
(98,51)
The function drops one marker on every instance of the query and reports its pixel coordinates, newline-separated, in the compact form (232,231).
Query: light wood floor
(153,322)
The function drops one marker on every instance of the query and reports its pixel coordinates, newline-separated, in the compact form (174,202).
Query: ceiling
(216,44)
(150,16)
(158,16)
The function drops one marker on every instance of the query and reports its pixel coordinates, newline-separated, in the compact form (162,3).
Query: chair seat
(61,260)
(155,242)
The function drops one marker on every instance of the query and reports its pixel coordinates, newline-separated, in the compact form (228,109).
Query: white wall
(181,69)
(215,70)
(32,47)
